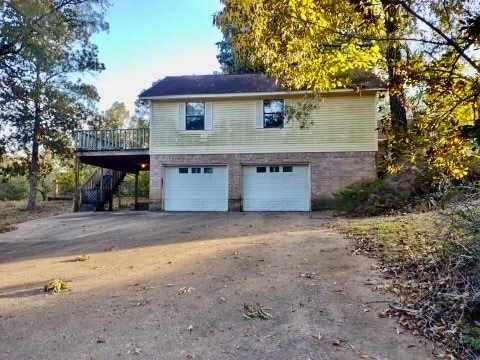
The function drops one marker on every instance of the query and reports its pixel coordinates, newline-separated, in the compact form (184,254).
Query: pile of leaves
(432,263)
(57,285)
(255,310)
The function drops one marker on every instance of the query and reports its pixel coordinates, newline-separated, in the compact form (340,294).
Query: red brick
(330,172)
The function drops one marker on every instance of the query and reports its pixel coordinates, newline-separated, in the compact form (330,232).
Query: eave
(256,94)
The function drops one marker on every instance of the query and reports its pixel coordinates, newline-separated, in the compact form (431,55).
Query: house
(224,142)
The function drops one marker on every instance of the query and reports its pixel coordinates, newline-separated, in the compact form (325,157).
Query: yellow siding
(342,123)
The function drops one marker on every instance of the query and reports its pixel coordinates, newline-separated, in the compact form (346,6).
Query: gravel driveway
(174,285)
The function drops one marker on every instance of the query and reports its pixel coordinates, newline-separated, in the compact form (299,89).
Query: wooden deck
(124,150)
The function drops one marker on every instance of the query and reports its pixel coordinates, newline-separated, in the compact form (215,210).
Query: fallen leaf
(82,258)
(383,314)
(184,290)
(135,351)
(337,342)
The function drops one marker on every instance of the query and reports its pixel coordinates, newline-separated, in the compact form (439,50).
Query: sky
(151,39)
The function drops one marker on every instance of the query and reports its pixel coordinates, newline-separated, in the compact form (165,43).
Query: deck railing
(113,140)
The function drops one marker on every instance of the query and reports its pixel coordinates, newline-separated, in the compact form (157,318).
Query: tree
(141,117)
(300,42)
(23,22)
(40,103)
(420,46)
(230,63)
(115,117)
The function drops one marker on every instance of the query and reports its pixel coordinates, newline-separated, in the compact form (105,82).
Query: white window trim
(259,116)
(182,117)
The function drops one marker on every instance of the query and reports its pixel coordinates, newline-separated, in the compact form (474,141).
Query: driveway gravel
(173,286)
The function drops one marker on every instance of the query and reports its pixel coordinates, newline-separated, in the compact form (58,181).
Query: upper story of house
(215,114)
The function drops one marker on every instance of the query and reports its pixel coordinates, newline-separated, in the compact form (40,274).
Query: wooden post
(110,204)
(76,197)
(136,190)
(100,200)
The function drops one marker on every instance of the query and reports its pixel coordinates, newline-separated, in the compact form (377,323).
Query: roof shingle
(240,84)
(212,84)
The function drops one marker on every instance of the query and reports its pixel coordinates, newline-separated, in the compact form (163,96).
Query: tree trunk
(33,172)
(394,57)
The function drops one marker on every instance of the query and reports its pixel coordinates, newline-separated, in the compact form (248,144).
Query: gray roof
(239,84)
(211,84)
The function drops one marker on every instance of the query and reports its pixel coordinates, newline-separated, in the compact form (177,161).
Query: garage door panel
(276,191)
(196,191)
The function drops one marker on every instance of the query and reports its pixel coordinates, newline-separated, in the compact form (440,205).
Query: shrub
(368,197)
(15,188)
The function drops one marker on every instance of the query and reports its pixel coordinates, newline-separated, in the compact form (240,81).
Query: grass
(8,205)
(431,261)
(14,212)
(471,335)
(398,238)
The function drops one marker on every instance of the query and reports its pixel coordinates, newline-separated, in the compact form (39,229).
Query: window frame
(282,124)
(194,116)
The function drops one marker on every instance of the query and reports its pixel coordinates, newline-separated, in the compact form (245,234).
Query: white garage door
(196,188)
(276,188)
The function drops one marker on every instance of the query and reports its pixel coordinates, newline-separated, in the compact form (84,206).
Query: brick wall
(330,172)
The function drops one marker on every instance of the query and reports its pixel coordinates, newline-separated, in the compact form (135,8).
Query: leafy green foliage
(115,117)
(421,46)
(368,197)
(141,116)
(44,44)
(128,185)
(66,178)
(300,42)
(14,188)
(471,335)
(231,62)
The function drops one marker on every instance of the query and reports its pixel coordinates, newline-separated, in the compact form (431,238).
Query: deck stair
(99,188)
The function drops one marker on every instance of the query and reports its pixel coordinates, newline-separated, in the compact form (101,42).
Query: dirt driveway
(173,286)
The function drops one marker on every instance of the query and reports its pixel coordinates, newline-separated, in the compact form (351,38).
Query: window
(183,170)
(287,169)
(208,170)
(272,113)
(196,170)
(261,169)
(195,116)
(274,169)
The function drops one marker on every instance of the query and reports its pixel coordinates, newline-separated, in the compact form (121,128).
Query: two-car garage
(263,188)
